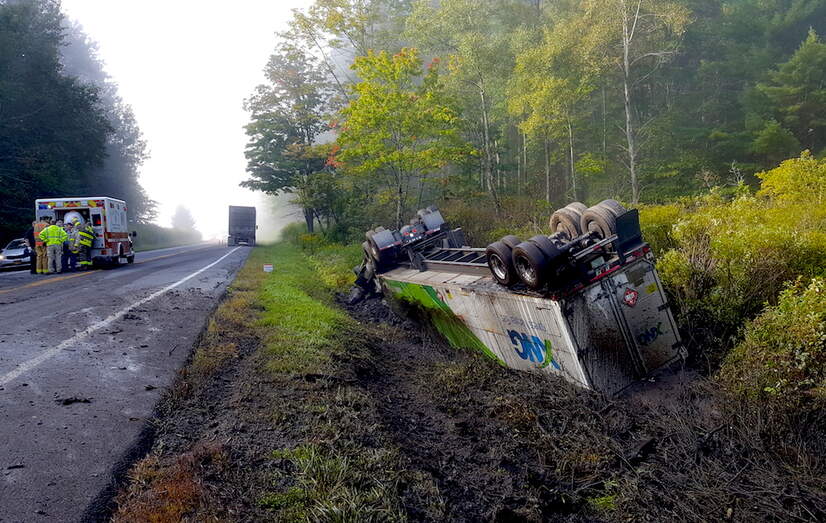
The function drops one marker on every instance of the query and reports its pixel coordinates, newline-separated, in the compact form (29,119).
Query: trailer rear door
(642,304)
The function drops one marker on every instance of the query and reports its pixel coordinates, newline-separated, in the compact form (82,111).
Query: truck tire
(530,264)
(500,262)
(511,241)
(547,247)
(599,220)
(375,252)
(614,206)
(369,234)
(577,206)
(566,221)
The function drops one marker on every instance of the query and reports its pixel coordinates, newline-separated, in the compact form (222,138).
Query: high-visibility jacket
(86,236)
(74,238)
(53,235)
(38,228)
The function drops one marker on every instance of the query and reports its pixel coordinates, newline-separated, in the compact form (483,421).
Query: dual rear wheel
(535,261)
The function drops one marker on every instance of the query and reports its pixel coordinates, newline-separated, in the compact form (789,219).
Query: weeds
(168,493)
(331,486)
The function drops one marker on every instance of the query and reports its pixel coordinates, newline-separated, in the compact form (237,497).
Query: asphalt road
(84,358)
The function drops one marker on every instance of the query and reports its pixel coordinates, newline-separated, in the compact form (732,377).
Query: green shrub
(796,180)
(783,353)
(732,257)
(334,264)
(291,232)
(657,223)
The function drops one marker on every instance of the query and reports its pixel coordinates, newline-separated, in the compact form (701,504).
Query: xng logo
(649,335)
(532,348)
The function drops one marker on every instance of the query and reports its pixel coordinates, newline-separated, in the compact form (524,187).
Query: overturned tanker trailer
(585,303)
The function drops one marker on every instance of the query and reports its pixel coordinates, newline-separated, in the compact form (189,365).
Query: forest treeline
(64,130)
(373,108)
(708,116)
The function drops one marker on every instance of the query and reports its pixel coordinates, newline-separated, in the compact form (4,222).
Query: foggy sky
(185,67)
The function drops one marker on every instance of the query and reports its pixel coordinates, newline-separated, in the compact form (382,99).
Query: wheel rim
(498,267)
(525,271)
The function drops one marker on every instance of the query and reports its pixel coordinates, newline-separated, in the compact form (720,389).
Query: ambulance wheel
(511,241)
(600,221)
(614,206)
(566,221)
(130,259)
(500,262)
(530,264)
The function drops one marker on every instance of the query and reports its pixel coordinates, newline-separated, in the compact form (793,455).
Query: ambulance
(113,242)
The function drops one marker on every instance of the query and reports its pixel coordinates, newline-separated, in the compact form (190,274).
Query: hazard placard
(268,267)
(630,297)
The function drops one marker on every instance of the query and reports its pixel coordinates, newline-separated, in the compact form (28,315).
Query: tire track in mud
(476,444)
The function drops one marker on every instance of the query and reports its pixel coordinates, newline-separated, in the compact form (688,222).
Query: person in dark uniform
(32,255)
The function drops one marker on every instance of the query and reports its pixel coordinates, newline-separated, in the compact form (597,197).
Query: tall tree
(638,36)
(399,126)
(338,31)
(288,115)
(475,39)
(552,80)
(182,219)
(125,148)
(52,129)
(796,93)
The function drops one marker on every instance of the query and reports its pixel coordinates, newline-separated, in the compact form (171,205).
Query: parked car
(16,253)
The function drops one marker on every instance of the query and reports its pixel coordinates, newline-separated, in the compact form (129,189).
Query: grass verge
(276,370)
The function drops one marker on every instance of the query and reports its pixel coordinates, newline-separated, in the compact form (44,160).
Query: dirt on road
(399,426)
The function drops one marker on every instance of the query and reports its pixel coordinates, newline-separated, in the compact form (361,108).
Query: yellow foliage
(796,180)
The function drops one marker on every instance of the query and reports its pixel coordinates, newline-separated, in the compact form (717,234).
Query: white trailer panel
(605,336)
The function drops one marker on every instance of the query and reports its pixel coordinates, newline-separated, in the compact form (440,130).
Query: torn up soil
(503,445)
(447,435)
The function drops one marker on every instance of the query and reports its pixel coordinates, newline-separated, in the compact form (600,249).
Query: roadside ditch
(295,407)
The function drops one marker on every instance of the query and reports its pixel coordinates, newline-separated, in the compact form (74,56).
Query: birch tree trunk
(547,171)
(518,164)
(627,37)
(573,167)
(488,163)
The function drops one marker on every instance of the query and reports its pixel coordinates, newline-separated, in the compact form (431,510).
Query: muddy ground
(447,435)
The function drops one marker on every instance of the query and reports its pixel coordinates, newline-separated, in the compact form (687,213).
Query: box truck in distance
(241,225)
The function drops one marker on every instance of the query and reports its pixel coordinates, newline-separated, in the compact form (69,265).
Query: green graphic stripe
(441,316)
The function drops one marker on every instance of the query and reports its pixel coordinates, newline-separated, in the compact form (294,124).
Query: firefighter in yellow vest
(40,246)
(54,236)
(86,237)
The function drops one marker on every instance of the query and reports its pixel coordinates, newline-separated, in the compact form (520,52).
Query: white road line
(26,366)
(13,273)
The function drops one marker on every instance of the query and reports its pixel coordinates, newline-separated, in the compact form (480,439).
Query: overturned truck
(584,302)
